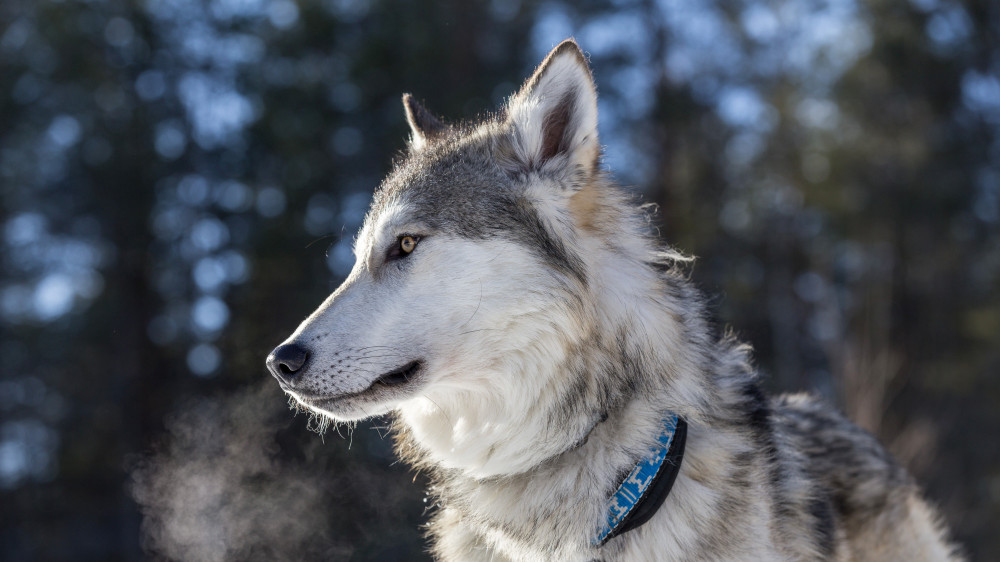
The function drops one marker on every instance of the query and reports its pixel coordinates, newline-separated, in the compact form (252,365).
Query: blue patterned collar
(644,489)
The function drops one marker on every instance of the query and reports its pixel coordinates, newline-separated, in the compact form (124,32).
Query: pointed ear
(424,127)
(554,115)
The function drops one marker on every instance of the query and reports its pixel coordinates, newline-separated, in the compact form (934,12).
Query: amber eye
(407,244)
(403,247)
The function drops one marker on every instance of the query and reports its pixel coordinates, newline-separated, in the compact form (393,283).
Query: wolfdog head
(472,294)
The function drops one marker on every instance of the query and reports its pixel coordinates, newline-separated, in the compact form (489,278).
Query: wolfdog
(551,367)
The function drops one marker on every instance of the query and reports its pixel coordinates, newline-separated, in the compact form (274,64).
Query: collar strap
(644,489)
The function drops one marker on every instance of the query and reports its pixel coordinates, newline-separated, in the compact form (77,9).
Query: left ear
(424,127)
(554,116)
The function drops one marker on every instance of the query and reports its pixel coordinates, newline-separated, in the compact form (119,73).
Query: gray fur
(456,187)
(543,380)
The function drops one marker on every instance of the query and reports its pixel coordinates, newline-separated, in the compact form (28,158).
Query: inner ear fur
(554,115)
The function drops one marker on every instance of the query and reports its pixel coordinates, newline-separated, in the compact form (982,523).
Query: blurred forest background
(181,180)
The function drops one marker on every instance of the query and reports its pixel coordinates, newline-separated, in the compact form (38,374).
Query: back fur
(545,334)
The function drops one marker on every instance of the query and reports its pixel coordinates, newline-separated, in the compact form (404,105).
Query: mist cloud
(218,488)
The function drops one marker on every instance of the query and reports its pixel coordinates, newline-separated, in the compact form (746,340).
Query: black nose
(286,360)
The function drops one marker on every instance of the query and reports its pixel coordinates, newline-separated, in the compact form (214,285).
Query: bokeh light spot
(204,359)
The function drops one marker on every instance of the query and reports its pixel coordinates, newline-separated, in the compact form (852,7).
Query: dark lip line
(416,365)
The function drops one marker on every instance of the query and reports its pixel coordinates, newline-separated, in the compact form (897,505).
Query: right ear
(554,116)
(424,127)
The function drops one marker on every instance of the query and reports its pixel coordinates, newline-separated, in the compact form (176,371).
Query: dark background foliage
(181,181)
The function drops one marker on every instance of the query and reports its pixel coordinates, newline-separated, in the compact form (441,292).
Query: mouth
(386,387)
(397,377)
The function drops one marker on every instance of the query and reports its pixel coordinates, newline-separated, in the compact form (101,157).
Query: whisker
(477,304)
(440,409)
